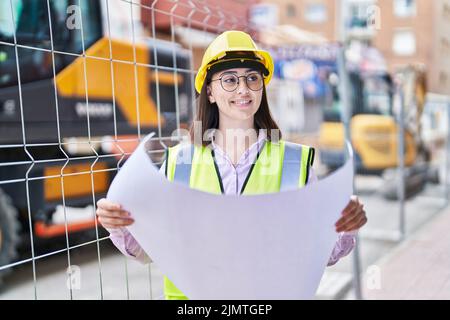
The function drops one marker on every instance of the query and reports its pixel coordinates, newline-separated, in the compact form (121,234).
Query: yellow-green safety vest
(279,166)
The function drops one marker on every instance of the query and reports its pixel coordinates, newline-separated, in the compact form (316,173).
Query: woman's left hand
(353,216)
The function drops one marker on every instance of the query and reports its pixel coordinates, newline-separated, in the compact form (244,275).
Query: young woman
(235,146)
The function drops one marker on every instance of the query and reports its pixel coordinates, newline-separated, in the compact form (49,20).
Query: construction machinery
(375,102)
(74,101)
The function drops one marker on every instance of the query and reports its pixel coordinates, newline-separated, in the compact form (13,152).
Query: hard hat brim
(264,58)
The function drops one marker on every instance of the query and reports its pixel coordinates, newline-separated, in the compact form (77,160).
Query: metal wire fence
(82,82)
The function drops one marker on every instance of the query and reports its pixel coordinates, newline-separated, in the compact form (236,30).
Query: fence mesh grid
(96,58)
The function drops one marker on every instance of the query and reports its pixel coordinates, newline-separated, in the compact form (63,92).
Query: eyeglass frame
(238,77)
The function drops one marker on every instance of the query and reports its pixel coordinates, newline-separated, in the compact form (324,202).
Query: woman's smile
(242,103)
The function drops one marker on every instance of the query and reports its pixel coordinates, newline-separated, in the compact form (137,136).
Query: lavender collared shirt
(233,177)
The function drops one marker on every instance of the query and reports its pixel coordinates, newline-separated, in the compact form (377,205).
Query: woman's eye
(252,78)
(230,80)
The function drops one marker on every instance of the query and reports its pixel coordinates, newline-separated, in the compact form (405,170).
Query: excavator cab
(36,35)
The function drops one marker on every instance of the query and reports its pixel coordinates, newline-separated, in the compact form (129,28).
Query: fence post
(345,117)
(401,159)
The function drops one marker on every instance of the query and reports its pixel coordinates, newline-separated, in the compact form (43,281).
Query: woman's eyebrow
(235,72)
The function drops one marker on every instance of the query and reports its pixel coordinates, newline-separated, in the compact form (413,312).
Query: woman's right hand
(111,215)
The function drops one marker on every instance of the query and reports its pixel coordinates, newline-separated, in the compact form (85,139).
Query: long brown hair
(208,115)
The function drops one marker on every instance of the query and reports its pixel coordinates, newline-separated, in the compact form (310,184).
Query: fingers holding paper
(111,215)
(353,216)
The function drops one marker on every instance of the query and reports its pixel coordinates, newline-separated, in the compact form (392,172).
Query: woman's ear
(209,94)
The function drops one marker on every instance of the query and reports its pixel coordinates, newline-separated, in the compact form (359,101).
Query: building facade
(405,31)
(316,16)
(417,31)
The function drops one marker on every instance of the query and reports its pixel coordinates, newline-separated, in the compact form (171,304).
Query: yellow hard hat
(227,42)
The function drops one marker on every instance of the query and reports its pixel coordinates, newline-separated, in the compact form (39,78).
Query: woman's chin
(243,114)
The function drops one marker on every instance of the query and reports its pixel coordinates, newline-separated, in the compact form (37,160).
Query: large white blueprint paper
(273,246)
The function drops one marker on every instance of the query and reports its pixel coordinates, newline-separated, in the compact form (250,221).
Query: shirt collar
(262,137)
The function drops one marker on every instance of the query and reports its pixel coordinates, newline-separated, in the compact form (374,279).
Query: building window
(316,13)
(443,78)
(446,11)
(358,15)
(405,8)
(264,15)
(445,43)
(290,10)
(404,43)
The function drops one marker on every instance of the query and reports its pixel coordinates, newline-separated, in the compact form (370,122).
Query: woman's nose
(242,87)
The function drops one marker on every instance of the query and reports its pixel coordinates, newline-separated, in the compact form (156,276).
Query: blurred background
(83,81)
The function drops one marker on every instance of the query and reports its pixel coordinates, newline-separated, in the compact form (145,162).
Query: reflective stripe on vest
(184,164)
(291,166)
(278,167)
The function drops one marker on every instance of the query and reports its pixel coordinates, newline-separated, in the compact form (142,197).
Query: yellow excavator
(64,87)
(374,126)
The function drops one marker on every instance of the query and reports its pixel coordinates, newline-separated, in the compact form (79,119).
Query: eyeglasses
(230,81)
